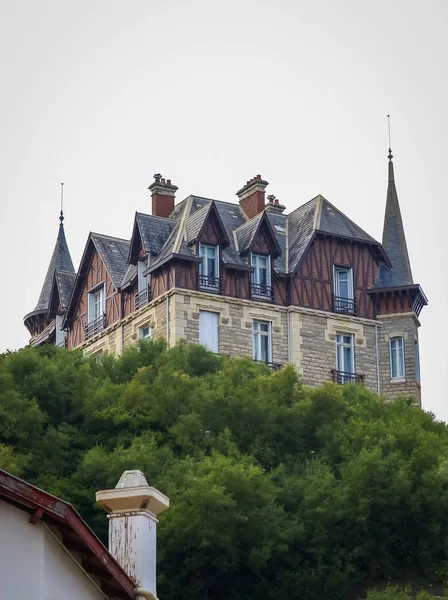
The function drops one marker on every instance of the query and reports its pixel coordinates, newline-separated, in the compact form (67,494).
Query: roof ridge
(181,232)
(109,237)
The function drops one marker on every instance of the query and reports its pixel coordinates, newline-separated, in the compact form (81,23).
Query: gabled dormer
(206,235)
(95,302)
(257,242)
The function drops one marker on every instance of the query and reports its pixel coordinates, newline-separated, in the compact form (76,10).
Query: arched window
(396,345)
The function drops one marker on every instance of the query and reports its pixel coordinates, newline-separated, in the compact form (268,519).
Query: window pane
(264,348)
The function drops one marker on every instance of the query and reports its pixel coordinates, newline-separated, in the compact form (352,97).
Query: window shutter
(208,330)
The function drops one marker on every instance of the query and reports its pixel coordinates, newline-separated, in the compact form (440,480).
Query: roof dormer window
(209,267)
(261,277)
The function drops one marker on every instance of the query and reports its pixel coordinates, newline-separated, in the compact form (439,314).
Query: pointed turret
(37,320)
(394,240)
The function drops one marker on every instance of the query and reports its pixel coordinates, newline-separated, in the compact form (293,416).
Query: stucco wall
(33,565)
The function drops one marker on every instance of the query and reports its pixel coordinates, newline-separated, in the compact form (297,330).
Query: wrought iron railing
(141,298)
(260,290)
(271,365)
(346,377)
(210,284)
(344,305)
(95,326)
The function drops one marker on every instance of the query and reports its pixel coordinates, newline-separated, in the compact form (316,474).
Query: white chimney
(133,507)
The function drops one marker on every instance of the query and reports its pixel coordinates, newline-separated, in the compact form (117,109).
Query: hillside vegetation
(277,491)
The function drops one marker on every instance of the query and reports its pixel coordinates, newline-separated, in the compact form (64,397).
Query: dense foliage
(277,491)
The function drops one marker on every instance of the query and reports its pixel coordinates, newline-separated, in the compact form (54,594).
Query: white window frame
(394,348)
(141,335)
(256,339)
(340,344)
(203,265)
(255,275)
(60,333)
(337,291)
(203,335)
(142,280)
(92,303)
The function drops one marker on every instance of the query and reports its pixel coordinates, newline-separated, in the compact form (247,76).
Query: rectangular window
(417,361)
(142,281)
(144,333)
(261,277)
(208,330)
(396,346)
(261,341)
(209,266)
(345,357)
(95,303)
(343,290)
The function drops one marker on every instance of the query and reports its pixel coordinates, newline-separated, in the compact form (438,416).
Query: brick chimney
(133,507)
(252,196)
(162,194)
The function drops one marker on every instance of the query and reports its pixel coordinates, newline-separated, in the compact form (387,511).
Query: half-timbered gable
(96,300)
(313,283)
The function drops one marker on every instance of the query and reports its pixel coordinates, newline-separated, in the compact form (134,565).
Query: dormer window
(96,318)
(142,295)
(344,301)
(209,267)
(261,277)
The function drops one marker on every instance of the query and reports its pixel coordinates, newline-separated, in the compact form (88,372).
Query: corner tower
(398,302)
(39,320)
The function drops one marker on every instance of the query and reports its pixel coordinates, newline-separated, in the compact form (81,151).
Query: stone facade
(405,326)
(303,337)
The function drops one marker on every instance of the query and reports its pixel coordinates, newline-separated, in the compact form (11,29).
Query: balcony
(95,326)
(344,306)
(262,292)
(141,298)
(345,377)
(273,366)
(210,284)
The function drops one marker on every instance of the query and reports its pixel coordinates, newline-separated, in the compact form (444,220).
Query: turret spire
(60,261)
(61,216)
(394,240)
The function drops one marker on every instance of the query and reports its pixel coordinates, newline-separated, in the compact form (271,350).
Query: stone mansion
(310,288)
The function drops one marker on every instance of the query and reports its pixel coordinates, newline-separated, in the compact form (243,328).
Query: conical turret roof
(394,240)
(60,261)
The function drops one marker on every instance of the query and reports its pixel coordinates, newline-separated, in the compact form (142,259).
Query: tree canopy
(277,490)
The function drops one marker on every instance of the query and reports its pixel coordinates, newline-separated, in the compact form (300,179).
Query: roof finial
(390,156)
(61,216)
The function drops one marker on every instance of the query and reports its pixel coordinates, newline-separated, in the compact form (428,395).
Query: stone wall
(318,346)
(406,326)
(234,323)
(312,336)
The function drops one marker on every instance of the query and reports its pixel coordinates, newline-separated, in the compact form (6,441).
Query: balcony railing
(141,298)
(346,377)
(344,305)
(260,290)
(95,326)
(210,284)
(273,366)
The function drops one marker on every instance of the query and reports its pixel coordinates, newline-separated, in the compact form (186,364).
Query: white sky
(102,94)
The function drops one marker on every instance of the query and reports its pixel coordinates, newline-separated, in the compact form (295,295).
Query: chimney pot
(168,181)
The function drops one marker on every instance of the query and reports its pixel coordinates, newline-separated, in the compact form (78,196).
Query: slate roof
(114,252)
(153,231)
(245,233)
(65,282)
(394,241)
(60,260)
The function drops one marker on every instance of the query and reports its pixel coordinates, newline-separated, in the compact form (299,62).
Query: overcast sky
(102,94)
